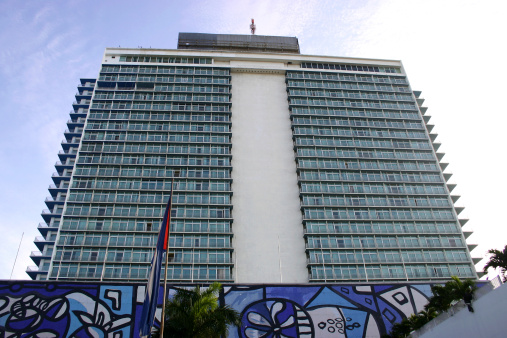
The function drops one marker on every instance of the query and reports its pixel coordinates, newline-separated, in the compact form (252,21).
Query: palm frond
(196,313)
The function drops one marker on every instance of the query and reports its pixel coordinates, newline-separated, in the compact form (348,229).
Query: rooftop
(236,42)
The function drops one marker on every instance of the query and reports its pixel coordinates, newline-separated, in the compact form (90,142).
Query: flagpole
(162,319)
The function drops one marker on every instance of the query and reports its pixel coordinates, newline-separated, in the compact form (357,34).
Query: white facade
(268,236)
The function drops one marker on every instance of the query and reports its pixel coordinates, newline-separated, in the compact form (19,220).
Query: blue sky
(453,51)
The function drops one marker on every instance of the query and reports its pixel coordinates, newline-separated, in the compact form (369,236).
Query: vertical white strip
(265,191)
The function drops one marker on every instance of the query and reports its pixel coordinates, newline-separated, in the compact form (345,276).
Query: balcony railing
(64,152)
(391,261)
(56,174)
(50,212)
(52,199)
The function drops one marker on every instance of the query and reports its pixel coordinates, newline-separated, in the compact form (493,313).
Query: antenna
(252,27)
(15,259)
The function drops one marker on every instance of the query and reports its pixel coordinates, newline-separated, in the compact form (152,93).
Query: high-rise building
(291,168)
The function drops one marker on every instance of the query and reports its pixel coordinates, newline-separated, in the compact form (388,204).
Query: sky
(452,51)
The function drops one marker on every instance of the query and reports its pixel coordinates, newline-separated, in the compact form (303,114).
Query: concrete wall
(268,232)
(59,309)
(487,320)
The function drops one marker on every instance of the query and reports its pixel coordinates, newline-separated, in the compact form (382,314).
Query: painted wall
(268,230)
(58,309)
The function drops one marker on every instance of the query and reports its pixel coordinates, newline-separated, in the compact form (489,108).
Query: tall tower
(293,169)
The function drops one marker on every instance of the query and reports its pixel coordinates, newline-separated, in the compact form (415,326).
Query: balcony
(84,94)
(51,202)
(65,154)
(37,256)
(66,145)
(40,242)
(69,134)
(45,227)
(86,86)
(80,112)
(48,214)
(75,123)
(33,271)
(54,190)
(58,178)
(81,104)
(60,166)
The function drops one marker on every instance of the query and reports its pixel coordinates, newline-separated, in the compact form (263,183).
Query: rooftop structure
(229,42)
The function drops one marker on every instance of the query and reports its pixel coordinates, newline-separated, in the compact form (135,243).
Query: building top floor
(248,60)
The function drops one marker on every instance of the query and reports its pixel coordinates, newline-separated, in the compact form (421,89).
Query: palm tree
(497,260)
(400,330)
(422,318)
(453,290)
(427,315)
(461,288)
(441,299)
(196,313)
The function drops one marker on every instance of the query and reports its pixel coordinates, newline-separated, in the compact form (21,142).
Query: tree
(453,290)
(197,314)
(442,299)
(498,260)
(422,318)
(459,289)
(400,330)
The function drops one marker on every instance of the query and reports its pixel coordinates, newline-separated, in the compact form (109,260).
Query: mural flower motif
(99,324)
(28,313)
(272,319)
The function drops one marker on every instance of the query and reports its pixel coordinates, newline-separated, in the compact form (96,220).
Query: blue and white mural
(323,311)
(30,309)
(58,309)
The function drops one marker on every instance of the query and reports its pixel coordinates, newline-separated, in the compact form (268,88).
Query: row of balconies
(380,277)
(132,260)
(436,145)
(403,233)
(309,246)
(379,206)
(131,276)
(61,178)
(403,260)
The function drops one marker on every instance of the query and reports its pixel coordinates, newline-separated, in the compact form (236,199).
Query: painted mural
(57,309)
(65,310)
(323,311)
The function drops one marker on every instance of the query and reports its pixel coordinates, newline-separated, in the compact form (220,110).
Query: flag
(153,285)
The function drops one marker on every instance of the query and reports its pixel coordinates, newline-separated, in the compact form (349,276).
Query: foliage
(443,298)
(425,316)
(498,260)
(412,323)
(401,329)
(197,314)
(453,291)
